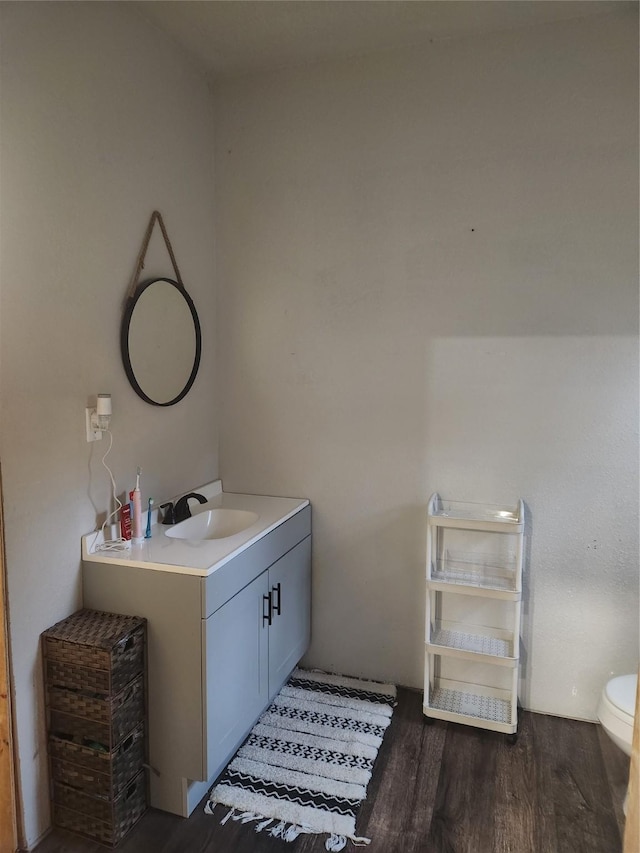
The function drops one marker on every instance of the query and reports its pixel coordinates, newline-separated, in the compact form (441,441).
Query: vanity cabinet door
(235,670)
(290,632)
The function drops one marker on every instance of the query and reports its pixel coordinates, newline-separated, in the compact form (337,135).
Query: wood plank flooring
(441,788)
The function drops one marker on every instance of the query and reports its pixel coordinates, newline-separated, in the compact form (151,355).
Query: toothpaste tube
(125,522)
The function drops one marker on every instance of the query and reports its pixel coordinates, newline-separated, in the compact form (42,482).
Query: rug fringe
(277,831)
(284,831)
(339,842)
(288,831)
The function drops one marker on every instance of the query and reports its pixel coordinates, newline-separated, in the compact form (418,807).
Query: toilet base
(618,726)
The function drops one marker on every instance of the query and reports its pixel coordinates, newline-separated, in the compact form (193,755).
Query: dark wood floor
(442,788)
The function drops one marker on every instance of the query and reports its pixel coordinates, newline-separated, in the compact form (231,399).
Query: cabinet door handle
(266,599)
(276,592)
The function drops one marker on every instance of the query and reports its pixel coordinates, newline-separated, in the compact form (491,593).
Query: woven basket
(100,774)
(94,651)
(93,721)
(105,821)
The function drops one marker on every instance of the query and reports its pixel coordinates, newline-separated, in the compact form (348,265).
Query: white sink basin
(213,524)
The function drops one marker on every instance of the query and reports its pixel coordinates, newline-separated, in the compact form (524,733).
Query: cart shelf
(473,642)
(472,704)
(475,516)
(479,575)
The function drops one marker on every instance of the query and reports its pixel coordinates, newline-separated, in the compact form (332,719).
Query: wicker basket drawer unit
(94,651)
(94,666)
(101,819)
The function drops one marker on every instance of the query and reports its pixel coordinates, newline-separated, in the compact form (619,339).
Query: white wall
(102,121)
(428,276)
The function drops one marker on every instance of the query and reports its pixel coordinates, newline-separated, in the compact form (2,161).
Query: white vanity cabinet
(220,646)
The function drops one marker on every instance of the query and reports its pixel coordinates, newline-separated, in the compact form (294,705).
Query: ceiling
(233,37)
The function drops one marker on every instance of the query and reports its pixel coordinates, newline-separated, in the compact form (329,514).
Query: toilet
(616,710)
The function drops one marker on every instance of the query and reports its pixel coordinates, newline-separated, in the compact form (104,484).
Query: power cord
(119,544)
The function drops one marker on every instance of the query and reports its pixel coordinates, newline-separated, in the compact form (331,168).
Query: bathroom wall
(428,274)
(102,121)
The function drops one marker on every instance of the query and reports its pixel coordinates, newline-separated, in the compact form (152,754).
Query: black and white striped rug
(306,764)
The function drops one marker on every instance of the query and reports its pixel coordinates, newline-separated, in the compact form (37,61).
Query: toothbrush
(147,535)
(137,510)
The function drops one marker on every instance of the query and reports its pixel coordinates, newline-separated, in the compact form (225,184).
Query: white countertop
(163,553)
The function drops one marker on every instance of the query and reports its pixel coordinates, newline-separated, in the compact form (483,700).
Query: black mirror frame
(124,341)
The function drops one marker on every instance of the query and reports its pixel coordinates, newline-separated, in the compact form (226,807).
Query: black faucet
(181,509)
(169,516)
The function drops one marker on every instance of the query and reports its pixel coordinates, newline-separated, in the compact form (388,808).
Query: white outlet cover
(92,434)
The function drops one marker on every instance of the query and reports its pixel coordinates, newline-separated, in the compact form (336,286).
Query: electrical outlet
(92,433)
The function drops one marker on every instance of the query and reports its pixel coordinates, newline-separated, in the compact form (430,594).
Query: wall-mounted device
(97,418)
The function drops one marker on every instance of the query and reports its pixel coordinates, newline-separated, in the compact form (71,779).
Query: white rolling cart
(473,598)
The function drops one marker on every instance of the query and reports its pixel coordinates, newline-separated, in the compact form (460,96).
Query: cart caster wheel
(512,739)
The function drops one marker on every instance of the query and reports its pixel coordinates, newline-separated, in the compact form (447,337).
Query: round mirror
(160,341)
